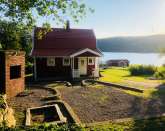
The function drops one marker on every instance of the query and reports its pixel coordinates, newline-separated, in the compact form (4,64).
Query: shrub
(160,73)
(28,68)
(45,127)
(142,70)
(2,102)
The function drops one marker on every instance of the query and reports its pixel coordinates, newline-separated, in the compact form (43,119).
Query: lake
(135,58)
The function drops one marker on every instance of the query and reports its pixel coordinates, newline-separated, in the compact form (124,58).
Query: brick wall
(11,87)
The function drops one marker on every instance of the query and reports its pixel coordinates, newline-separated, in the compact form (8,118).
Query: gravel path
(101,104)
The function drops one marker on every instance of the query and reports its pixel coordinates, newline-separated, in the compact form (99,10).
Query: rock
(1,117)
(7,115)
(68,84)
(9,118)
(3,103)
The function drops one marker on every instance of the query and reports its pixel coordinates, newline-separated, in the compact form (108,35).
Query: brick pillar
(12,72)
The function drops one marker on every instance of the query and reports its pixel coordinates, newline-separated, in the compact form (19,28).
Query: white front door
(83,65)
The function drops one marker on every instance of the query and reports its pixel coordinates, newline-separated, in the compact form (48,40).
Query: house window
(91,61)
(50,61)
(66,61)
(15,72)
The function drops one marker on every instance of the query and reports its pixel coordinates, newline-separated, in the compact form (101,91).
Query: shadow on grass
(152,124)
(143,76)
(154,108)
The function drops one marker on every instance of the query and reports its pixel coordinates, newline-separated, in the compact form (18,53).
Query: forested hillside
(144,44)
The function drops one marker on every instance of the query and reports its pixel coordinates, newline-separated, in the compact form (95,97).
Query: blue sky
(124,17)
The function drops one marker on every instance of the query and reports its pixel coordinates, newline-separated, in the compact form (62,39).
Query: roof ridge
(65,29)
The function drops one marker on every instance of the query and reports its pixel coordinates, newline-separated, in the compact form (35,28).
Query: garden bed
(101,103)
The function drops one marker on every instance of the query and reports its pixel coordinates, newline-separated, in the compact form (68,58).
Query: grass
(152,124)
(122,76)
(117,74)
(20,118)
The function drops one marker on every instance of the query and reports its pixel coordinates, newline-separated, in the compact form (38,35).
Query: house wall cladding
(52,71)
(11,86)
(59,70)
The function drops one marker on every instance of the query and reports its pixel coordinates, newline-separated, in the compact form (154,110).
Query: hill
(141,44)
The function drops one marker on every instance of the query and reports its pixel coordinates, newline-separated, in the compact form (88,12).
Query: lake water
(135,58)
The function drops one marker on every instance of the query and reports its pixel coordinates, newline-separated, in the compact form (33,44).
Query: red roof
(62,42)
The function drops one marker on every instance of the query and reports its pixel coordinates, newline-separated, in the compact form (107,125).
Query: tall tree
(14,36)
(163,51)
(27,11)
(18,17)
(162,54)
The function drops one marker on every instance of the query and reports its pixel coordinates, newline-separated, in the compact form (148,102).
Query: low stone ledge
(115,85)
(83,83)
(72,113)
(28,117)
(69,110)
(49,98)
(120,86)
(66,105)
(68,84)
(61,118)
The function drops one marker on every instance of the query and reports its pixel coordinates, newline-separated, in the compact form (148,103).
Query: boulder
(6,115)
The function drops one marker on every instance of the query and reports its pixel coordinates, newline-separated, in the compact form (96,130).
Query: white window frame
(66,64)
(93,60)
(51,61)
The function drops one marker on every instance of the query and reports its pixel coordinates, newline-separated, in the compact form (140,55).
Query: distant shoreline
(135,57)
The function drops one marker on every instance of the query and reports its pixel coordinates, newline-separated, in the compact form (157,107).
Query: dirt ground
(93,104)
(21,103)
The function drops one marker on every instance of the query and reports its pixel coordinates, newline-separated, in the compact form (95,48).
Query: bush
(2,102)
(45,127)
(29,68)
(160,73)
(142,70)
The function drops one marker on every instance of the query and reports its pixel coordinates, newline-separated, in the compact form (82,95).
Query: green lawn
(153,124)
(122,76)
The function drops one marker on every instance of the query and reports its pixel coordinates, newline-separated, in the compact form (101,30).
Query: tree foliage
(28,10)
(18,17)
(162,51)
(14,36)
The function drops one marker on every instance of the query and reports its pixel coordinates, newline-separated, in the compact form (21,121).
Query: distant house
(118,62)
(65,53)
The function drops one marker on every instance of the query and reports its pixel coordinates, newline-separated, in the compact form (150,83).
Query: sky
(124,17)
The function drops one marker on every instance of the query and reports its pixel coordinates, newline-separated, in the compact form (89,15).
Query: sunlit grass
(116,74)
(122,76)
